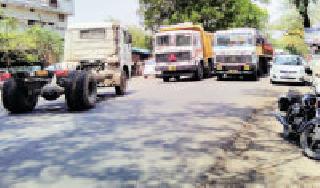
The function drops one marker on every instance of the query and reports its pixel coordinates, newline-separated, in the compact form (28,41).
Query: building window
(51,23)
(62,17)
(31,22)
(3,5)
(53,3)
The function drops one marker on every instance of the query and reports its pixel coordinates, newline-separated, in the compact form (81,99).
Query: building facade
(51,14)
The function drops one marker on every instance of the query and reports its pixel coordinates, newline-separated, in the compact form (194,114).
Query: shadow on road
(122,142)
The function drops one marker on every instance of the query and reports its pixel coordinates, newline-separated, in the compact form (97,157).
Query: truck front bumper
(176,70)
(235,72)
(240,69)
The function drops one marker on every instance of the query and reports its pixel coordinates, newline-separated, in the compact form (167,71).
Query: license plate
(42,73)
(219,67)
(246,68)
(172,68)
(233,72)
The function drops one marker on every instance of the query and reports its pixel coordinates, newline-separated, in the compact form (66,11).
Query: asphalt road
(160,134)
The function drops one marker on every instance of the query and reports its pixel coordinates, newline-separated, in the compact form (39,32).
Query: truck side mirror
(308,71)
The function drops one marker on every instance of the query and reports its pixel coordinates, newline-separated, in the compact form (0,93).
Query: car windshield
(234,40)
(288,60)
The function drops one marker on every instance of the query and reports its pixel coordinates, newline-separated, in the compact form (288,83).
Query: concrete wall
(40,11)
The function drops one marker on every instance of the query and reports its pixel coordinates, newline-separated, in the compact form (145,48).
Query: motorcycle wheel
(310,144)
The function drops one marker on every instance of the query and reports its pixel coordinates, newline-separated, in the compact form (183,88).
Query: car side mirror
(308,71)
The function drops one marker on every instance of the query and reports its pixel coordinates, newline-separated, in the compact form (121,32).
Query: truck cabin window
(183,40)
(230,40)
(99,33)
(163,40)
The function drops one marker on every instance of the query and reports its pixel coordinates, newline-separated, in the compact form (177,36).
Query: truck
(241,52)
(183,50)
(101,53)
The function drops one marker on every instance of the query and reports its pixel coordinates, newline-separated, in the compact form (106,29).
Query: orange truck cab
(184,50)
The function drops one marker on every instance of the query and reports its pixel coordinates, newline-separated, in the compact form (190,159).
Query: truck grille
(288,72)
(233,59)
(180,56)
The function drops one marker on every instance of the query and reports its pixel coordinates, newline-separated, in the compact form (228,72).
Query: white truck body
(105,42)
(241,51)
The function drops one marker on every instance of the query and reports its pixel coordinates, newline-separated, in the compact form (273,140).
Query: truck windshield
(183,40)
(180,40)
(163,40)
(228,40)
(288,60)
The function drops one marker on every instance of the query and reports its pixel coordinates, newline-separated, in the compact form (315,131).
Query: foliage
(303,9)
(214,15)
(293,40)
(44,42)
(140,38)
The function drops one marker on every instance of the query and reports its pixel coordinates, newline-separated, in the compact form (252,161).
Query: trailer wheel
(121,90)
(18,99)
(310,143)
(81,91)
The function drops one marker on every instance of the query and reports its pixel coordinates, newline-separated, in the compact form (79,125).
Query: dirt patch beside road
(258,156)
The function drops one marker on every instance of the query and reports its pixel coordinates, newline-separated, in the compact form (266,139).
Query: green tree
(213,15)
(140,38)
(44,44)
(48,44)
(303,9)
(293,39)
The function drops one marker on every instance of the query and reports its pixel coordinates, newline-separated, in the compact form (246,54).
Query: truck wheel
(121,90)
(166,79)
(219,77)
(198,76)
(254,77)
(70,91)
(81,91)
(17,99)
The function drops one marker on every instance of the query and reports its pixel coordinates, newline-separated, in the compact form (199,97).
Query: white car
(288,69)
(150,69)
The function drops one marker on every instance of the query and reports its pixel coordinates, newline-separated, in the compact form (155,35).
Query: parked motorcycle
(300,117)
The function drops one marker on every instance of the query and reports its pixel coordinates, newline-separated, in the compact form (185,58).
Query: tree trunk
(306,18)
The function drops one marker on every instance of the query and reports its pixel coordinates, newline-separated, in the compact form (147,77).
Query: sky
(126,11)
(100,10)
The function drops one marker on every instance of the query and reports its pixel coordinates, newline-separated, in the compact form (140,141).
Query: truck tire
(70,90)
(18,99)
(208,71)
(166,79)
(219,77)
(254,77)
(198,75)
(81,91)
(121,90)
